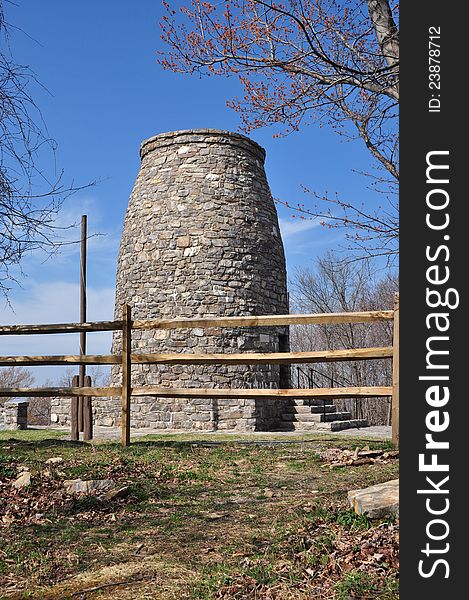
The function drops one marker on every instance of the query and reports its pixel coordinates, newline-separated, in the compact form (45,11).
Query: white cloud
(55,303)
(102,243)
(306,248)
(47,297)
(294,226)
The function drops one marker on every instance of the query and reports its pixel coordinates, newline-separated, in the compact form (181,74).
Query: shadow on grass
(51,437)
(42,443)
(183,446)
(320,440)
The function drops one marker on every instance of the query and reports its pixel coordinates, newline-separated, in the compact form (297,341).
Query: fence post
(126,372)
(87,413)
(80,407)
(75,435)
(82,403)
(395,376)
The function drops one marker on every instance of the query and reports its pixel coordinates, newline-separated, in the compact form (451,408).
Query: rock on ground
(22,481)
(55,460)
(377,501)
(114,494)
(90,486)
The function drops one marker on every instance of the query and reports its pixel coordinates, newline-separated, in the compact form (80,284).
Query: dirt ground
(200,519)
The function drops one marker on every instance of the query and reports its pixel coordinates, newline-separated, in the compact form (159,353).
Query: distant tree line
(341,285)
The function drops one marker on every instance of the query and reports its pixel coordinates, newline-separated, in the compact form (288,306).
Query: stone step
(317,418)
(337,416)
(328,426)
(297,426)
(312,402)
(340,425)
(308,410)
(300,418)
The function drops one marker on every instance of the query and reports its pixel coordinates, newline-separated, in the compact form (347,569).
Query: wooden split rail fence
(127,358)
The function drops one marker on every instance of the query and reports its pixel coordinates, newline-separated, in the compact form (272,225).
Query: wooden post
(82,368)
(395,376)
(87,413)
(126,372)
(75,435)
(80,408)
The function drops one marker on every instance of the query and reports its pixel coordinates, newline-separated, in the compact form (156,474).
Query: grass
(205,517)
(361,585)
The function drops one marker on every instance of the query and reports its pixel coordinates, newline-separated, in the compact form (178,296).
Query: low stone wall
(106,411)
(60,411)
(15,414)
(189,414)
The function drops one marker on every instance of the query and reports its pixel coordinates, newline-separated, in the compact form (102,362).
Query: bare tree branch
(29,201)
(338,284)
(302,61)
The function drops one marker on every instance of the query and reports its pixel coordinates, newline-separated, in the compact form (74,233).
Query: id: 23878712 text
(434,69)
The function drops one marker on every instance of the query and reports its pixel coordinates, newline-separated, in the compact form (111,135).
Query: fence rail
(262,358)
(164,392)
(261,321)
(60,328)
(126,359)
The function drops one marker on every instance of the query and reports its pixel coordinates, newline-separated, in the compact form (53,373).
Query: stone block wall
(60,411)
(15,414)
(199,414)
(106,411)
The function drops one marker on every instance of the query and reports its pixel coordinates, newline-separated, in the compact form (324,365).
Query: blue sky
(103,94)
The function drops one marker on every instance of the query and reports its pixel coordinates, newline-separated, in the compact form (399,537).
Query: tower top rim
(198,136)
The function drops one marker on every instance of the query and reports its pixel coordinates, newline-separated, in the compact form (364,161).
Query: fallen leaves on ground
(247,521)
(330,553)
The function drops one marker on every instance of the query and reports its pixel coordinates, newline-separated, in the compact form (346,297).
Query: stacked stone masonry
(200,239)
(15,414)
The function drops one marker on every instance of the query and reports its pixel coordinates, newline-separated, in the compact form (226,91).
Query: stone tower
(201,238)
